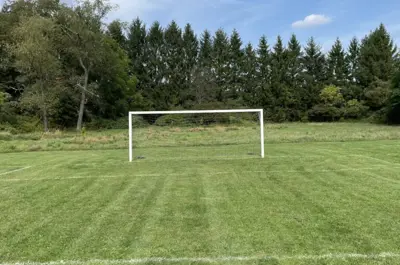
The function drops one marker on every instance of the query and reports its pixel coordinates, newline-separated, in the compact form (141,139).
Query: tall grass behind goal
(196,134)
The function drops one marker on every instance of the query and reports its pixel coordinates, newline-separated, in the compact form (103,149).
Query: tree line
(65,66)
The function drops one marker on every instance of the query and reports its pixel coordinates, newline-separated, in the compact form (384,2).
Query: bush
(379,116)
(324,113)
(279,115)
(8,112)
(204,119)
(27,124)
(215,105)
(304,118)
(173,120)
(121,123)
(394,104)
(377,94)
(331,95)
(8,128)
(394,114)
(352,92)
(243,118)
(354,109)
(220,118)
(5,136)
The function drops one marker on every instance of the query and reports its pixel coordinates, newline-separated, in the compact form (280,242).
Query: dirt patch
(175,130)
(197,129)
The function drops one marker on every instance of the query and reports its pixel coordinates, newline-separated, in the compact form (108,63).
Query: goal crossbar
(260,111)
(194,111)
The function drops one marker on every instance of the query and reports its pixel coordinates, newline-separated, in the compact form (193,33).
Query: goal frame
(259,111)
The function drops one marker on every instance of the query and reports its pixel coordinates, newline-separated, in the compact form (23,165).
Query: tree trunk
(45,120)
(83,97)
(44,111)
(81,110)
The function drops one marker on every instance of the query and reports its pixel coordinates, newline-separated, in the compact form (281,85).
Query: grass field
(324,194)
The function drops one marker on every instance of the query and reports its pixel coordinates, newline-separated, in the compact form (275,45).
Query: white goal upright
(204,132)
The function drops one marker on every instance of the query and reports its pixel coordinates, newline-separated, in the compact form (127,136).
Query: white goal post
(259,111)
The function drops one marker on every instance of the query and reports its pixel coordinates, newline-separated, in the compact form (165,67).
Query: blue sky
(323,19)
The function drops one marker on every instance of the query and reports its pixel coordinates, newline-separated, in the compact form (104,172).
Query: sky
(325,20)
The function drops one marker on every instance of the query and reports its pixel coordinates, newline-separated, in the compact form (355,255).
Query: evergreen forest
(66,67)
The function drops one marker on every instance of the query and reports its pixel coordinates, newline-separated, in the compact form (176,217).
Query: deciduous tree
(36,57)
(84,42)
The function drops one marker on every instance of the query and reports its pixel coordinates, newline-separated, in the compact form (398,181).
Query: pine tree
(136,42)
(337,72)
(394,103)
(377,65)
(250,94)
(137,53)
(294,60)
(314,73)
(377,53)
(203,88)
(293,78)
(279,64)
(397,61)
(220,63)
(278,61)
(206,50)
(263,68)
(155,66)
(352,60)
(236,55)
(190,52)
(174,73)
(263,61)
(116,31)
(353,89)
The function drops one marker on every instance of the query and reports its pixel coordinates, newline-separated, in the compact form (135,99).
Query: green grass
(321,190)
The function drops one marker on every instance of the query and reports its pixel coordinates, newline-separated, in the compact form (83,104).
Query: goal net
(196,134)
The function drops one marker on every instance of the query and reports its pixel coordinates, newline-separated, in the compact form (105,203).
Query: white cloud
(311,21)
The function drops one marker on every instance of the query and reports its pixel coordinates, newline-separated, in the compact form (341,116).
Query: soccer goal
(189,134)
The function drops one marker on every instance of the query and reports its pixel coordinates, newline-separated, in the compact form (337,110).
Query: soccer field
(304,203)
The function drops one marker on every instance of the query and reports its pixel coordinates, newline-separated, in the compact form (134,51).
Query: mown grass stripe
(15,170)
(100,221)
(162,260)
(209,173)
